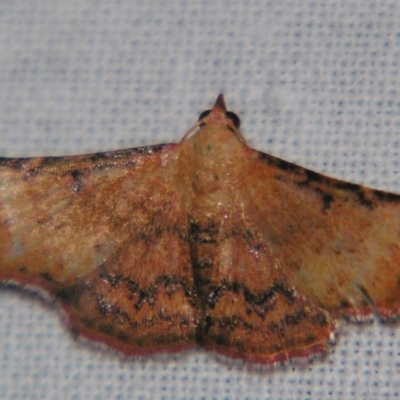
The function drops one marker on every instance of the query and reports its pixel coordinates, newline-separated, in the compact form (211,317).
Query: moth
(204,242)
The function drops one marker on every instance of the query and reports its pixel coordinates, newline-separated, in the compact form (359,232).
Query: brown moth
(205,242)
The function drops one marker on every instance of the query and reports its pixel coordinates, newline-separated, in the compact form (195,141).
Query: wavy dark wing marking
(105,235)
(252,309)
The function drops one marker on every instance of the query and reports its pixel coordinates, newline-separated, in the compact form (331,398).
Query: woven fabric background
(314,82)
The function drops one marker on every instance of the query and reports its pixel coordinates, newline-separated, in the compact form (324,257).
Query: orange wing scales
(203,242)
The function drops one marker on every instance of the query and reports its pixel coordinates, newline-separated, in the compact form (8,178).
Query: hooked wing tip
(220,104)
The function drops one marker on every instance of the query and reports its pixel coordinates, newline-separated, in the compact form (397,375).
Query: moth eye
(229,114)
(234,118)
(204,114)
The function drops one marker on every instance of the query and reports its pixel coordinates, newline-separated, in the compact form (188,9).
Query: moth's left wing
(104,235)
(339,243)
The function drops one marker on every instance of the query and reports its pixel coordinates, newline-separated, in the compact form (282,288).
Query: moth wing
(338,242)
(294,253)
(105,236)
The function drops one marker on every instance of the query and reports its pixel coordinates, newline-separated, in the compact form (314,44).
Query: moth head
(219,111)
